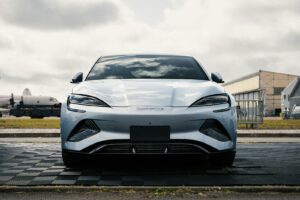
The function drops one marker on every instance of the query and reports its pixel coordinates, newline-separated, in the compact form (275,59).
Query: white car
(148,105)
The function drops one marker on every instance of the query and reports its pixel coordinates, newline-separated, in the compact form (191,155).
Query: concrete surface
(141,195)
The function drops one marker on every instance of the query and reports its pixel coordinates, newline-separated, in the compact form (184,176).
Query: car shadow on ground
(149,164)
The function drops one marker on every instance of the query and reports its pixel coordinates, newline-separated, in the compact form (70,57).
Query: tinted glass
(147,67)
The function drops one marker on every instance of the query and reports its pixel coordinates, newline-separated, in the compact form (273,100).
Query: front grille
(177,148)
(149,148)
(115,148)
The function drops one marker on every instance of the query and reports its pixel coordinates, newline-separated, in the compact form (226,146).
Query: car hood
(148,92)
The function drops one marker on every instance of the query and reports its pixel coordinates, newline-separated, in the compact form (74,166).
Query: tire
(72,161)
(225,159)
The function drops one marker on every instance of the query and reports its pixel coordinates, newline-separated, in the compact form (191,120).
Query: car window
(147,67)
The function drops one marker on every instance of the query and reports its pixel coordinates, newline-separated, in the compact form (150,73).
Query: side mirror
(216,77)
(77,78)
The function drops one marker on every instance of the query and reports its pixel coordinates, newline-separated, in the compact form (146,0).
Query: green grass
(276,124)
(55,123)
(29,123)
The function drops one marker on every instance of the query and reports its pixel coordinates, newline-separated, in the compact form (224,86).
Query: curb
(20,133)
(152,189)
(267,135)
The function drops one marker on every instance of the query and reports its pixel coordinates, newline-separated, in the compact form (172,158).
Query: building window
(278,90)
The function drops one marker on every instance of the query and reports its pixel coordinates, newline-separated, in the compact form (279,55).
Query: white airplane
(7,102)
(4,111)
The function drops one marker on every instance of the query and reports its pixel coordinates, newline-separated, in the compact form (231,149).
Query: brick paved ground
(256,164)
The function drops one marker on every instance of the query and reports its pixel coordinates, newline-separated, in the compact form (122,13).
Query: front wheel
(71,161)
(225,159)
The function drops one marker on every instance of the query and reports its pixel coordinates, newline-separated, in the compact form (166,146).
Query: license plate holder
(150,133)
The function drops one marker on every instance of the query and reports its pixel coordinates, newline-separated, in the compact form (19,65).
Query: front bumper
(115,124)
(75,158)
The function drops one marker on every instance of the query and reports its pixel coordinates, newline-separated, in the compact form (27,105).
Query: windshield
(147,67)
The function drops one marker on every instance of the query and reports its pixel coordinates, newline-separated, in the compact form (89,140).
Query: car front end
(148,117)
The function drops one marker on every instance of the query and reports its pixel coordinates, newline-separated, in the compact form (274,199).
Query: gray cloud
(263,34)
(247,46)
(260,12)
(253,8)
(292,41)
(235,37)
(61,70)
(38,83)
(54,15)
(41,78)
(5,43)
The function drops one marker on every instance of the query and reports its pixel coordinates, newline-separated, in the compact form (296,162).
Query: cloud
(56,15)
(237,37)
(5,43)
(233,37)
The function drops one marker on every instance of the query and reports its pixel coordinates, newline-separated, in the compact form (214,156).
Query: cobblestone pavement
(256,164)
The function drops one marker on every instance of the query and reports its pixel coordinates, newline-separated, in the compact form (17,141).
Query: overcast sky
(44,42)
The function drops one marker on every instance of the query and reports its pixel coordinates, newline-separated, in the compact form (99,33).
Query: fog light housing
(83,130)
(214,129)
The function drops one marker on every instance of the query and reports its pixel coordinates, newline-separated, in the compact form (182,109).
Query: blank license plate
(150,133)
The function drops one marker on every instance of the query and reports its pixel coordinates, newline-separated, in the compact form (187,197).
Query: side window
(277,90)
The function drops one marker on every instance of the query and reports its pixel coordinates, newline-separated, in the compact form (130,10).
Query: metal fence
(250,112)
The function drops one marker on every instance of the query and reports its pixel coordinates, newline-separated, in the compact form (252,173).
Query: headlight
(212,100)
(86,100)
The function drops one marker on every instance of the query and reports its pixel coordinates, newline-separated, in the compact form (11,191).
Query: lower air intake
(150,148)
(83,130)
(214,129)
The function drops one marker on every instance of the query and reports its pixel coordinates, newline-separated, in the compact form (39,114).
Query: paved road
(256,164)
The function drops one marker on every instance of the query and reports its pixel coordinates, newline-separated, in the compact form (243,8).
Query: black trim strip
(195,143)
